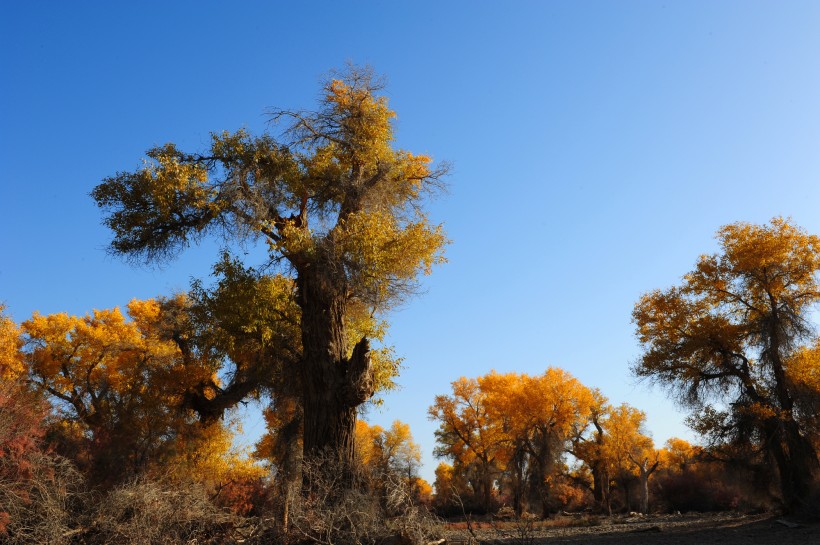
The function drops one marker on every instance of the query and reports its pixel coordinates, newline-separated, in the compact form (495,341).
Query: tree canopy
(340,210)
(733,341)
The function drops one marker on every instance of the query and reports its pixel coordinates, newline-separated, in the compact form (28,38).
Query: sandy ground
(688,529)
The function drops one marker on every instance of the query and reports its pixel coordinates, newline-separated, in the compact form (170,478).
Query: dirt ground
(687,529)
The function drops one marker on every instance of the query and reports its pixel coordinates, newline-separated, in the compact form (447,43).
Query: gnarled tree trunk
(333,384)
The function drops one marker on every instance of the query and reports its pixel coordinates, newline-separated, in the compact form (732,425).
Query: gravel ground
(687,529)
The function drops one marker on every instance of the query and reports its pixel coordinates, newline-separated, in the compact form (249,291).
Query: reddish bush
(244,497)
(36,487)
(570,497)
(21,428)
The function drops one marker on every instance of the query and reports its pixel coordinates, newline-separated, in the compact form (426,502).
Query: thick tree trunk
(600,489)
(796,457)
(333,384)
(796,460)
(597,492)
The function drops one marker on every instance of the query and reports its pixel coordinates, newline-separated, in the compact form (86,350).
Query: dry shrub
(43,509)
(242,496)
(148,512)
(346,506)
(38,490)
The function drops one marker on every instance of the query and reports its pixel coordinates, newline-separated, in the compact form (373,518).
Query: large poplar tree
(731,342)
(340,209)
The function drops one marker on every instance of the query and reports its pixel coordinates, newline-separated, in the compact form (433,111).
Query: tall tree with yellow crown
(340,209)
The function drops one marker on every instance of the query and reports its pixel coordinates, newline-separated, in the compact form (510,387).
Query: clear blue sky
(597,146)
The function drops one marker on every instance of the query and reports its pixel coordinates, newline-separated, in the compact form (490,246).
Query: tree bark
(796,459)
(333,384)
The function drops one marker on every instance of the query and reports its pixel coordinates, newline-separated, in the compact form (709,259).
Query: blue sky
(597,147)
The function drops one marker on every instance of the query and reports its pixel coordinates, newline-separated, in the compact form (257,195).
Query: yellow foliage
(510,423)
(393,448)
(386,252)
(678,454)
(122,381)
(803,369)
(367,443)
(207,455)
(280,440)
(11,361)
(366,122)
(339,207)
(731,332)
(625,445)
(423,490)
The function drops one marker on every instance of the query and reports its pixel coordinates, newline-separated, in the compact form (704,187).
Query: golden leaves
(365,120)
(678,454)
(393,448)
(11,361)
(624,440)
(486,417)
(803,368)
(338,184)
(705,327)
(383,253)
(208,455)
(759,262)
(728,340)
(120,380)
(69,350)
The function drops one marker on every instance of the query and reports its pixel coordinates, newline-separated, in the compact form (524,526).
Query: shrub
(345,506)
(242,496)
(38,490)
(147,512)
(689,491)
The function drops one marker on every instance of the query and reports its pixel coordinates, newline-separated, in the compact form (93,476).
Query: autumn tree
(588,445)
(35,484)
(339,207)
(391,456)
(803,376)
(471,436)
(688,481)
(22,428)
(118,385)
(449,488)
(678,454)
(725,339)
(613,445)
(630,451)
(244,328)
(392,449)
(539,415)
(512,429)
